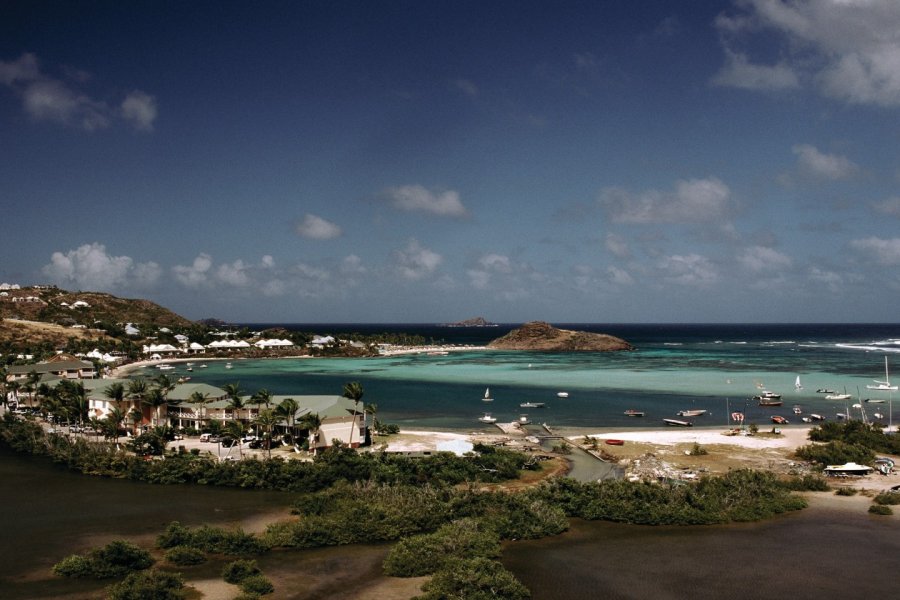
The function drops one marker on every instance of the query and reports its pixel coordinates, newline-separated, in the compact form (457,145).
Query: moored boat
(779,420)
(487,395)
(886,384)
(634,413)
(487,418)
(562,394)
(838,396)
(692,413)
(816,417)
(678,423)
(798,410)
(532,405)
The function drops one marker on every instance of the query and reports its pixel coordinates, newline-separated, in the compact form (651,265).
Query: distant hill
(543,337)
(47,314)
(474,322)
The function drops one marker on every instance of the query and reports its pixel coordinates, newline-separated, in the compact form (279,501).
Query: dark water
(814,554)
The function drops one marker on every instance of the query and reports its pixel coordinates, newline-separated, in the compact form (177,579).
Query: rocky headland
(543,337)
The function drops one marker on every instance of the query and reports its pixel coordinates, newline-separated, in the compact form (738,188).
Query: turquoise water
(712,367)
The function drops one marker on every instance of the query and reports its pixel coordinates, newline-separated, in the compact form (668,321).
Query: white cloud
(62,100)
(91,267)
(848,49)
(619,276)
(196,274)
(140,109)
(833,281)
(691,269)
(824,166)
(761,258)
(486,268)
(234,274)
(617,245)
(317,228)
(692,201)
(415,261)
(885,252)
(415,198)
(740,73)
(352,265)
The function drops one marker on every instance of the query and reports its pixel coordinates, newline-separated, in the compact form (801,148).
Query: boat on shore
(614,442)
(634,413)
(692,413)
(677,423)
(532,405)
(847,469)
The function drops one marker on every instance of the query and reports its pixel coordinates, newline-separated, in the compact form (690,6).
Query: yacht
(487,418)
(883,385)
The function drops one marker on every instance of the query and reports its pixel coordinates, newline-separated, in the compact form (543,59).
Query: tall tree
(372,409)
(287,411)
(311,423)
(235,402)
(137,392)
(353,391)
(201,399)
(114,419)
(236,429)
(155,399)
(266,421)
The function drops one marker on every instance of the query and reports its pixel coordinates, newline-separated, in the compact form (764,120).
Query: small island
(474,322)
(538,336)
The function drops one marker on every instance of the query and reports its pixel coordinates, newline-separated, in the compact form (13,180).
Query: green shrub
(257,584)
(116,559)
(698,450)
(238,570)
(807,483)
(885,498)
(148,585)
(846,491)
(474,579)
(211,539)
(836,453)
(424,554)
(880,509)
(185,556)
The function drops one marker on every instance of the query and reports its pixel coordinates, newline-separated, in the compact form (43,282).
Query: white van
(204,437)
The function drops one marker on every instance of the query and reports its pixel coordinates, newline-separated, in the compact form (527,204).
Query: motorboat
(841,415)
(692,413)
(634,413)
(562,394)
(838,396)
(798,410)
(816,417)
(825,391)
(532,405)
(487,395)
(883,385)
(228,366)
(874,401)
(779,420)
(523,420)
(806,419)
(767,398)
(878,416)
(487,418)
(165,367)
(677,423)
(850,468)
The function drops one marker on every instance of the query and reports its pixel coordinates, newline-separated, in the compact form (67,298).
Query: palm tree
(136,415)
(114,418)
(353,391)
(311,422)
(236,430)
(372,409)
(31,384)
(267,419)
(115,392)
(13,387)
(262,396)
(155,399)
(235,403)
(287,411)
(202,399)
(137,391)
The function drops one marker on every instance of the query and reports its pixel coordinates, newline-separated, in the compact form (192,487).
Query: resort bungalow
(161,349)
(59,366)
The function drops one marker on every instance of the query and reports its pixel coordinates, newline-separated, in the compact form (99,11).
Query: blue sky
(617,161)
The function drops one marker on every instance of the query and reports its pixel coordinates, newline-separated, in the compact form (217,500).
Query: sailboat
(797,384)
(487,395)
(886,384)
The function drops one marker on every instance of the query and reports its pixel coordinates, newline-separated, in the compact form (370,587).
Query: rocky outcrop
(474,322)
(543,337)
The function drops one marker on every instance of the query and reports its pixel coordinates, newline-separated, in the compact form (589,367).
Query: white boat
(874,401)
(523,420)
(798,410)
(532,405)
(878,416)
(838,397)
(797,384)
(886,384)
(631,412)
(850,468)
(203,366)
(692,413)
(487,418)
(816,417)
(487,395)
(677,423)
(825,391)
(562,394)
(228,366)
(165,367)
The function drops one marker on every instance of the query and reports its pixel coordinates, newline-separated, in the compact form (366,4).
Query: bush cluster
(185,556)
(211,539)
(836,452)
(148,585)
(116,559)
(870,436)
